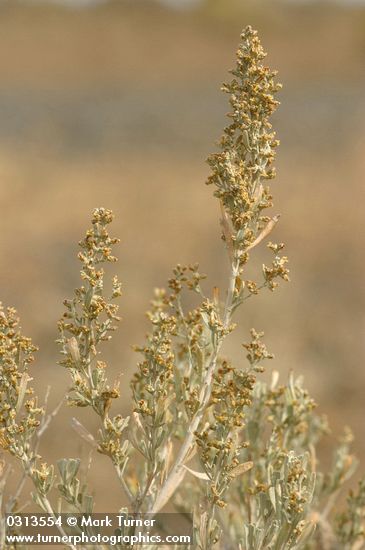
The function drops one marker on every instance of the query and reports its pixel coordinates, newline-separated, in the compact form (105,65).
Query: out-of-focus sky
(182,3)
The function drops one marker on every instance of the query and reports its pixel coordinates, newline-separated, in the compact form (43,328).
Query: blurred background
(117,104)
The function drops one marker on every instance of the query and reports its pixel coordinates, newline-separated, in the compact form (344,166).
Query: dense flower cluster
(89,319)
(248,143)
(19,411)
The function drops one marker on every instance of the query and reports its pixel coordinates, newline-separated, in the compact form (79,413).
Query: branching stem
(177,472)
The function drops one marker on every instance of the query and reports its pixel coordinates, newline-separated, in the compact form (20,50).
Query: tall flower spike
(89,320)
(248,144)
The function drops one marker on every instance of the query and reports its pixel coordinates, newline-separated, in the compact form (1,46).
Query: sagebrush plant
(205,435)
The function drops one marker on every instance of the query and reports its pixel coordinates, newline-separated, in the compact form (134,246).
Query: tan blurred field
(119,106)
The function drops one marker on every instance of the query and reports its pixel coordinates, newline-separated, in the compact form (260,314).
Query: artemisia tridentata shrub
(204,435)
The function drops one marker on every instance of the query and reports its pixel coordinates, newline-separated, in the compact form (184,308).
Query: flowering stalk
(22,421)
(89,319)
(239,171)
